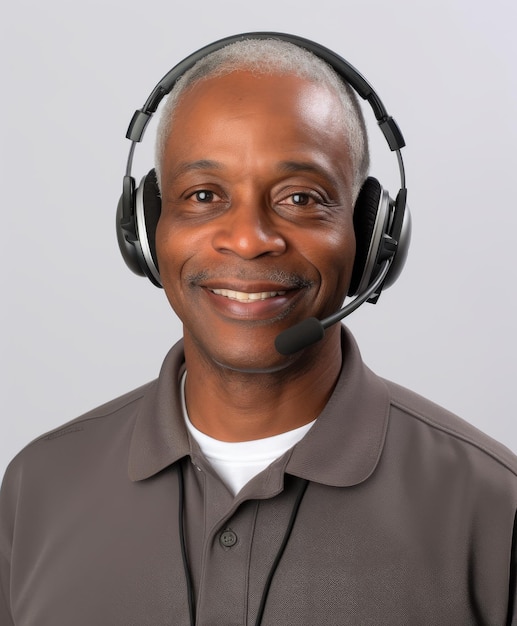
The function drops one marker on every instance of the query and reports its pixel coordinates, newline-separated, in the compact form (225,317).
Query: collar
(345,444)
(160,436)
(341,449)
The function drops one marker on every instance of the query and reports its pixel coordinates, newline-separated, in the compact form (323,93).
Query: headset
(382,225)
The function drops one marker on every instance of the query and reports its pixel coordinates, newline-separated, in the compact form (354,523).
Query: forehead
(239,83)
(280,107)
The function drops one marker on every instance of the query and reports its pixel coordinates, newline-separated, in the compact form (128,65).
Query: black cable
(274,566)
(280,552)
(181,525)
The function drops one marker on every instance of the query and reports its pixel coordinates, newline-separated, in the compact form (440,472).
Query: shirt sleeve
(5,611)
(512,601)
(7,500)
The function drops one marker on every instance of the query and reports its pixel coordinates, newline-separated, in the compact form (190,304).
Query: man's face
(256,230)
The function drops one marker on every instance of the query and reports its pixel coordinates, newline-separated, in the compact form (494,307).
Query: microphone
(311,330)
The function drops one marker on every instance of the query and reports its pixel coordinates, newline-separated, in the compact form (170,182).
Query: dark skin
(255,235)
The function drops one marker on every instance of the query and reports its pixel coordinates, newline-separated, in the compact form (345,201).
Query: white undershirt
(238,462)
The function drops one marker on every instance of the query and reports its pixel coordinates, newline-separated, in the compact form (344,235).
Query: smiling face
(256,230)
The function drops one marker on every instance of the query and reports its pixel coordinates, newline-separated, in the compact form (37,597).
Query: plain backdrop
(79,329)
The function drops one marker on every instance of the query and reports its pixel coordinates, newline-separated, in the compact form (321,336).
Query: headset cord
(274,566)
(183,543)
(280,552)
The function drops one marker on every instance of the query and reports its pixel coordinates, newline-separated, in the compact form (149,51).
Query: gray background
(79,329)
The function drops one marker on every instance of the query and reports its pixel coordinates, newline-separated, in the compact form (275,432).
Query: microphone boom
(311,330)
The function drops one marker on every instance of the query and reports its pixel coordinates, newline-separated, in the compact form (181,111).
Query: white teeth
(242,296)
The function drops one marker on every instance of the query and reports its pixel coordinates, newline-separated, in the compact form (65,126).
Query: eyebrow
(307,166)
(201,164)
(284,166)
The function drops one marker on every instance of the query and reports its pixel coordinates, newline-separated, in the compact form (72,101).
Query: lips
(232,293)
(258,303)
(243,296)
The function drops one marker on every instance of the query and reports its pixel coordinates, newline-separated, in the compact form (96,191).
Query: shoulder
(118,407)
(109,412)
(102,435)
(412,410)
(94,430)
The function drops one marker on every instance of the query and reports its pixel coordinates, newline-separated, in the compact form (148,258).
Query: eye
(204,195)
(301,199)
(202,201)
(303,202)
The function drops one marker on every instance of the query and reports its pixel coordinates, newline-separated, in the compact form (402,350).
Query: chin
(248,361)
(240,355)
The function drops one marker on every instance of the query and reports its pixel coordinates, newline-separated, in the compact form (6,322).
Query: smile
(242,296)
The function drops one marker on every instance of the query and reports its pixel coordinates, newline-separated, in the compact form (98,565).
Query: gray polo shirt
(392,512)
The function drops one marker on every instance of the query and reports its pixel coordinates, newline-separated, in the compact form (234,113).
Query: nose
(248,230)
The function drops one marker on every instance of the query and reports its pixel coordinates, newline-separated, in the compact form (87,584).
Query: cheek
(165,247)
(342,244)
(174,245)
(172,250)
(333,256)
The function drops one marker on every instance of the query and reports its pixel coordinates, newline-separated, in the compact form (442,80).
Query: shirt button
(228,538)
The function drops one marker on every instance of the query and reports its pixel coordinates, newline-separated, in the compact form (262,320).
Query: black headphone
(382,225)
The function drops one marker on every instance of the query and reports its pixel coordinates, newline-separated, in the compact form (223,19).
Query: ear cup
(126,237)
(366,214)
(148,210)
(400,257)
(137,240)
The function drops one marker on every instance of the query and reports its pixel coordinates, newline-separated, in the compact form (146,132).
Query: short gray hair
(273,56)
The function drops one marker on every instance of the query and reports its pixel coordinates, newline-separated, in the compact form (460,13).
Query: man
(245,486)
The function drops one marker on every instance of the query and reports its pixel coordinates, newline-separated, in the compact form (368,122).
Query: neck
(233,405)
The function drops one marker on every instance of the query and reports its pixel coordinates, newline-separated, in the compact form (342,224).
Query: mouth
(243,296)
(258,304)
(239,297)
